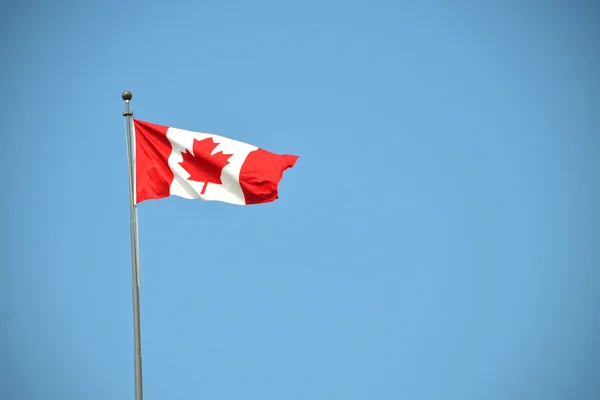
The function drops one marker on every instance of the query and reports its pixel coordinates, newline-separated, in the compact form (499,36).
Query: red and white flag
(194,165)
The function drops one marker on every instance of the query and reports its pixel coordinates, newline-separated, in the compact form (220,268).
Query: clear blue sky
(438,238)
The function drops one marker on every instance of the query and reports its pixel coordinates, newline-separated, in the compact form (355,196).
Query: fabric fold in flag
(194,165)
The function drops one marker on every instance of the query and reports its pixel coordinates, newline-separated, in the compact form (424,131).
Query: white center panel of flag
(229,190)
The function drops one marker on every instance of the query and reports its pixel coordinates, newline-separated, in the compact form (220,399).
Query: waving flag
(193,165)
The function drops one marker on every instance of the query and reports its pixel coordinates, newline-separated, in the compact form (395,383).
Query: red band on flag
(152,149)
(261,173)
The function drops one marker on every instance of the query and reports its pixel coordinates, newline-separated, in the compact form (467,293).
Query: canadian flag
(194,165)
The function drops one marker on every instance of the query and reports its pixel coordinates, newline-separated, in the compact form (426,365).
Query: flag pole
(135,266)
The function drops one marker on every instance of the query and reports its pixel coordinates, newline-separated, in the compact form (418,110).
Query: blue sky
(437,239)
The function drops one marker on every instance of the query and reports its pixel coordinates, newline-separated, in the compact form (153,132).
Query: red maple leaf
(201,165)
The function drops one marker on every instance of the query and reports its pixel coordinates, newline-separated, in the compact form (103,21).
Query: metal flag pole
(135,266)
